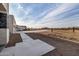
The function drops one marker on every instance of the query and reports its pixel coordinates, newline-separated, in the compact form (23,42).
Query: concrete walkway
(7,51)
(28,47)
(36,48)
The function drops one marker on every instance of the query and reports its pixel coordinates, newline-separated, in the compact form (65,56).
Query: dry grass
(67,34)
(14,38)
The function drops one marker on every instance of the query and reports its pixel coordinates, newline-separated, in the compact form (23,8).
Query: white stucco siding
(11,23)
(4,36)
(4,32)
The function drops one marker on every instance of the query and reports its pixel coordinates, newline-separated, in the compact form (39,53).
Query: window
(3,20)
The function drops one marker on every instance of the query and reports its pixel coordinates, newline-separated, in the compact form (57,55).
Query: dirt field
(63,47)
(14,38)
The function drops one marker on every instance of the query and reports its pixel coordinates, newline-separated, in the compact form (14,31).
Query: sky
(52,15)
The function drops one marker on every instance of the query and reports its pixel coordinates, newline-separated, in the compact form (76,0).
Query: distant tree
(51,29)
(73,29)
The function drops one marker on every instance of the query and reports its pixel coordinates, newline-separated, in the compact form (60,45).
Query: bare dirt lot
(63,47)
(14,38)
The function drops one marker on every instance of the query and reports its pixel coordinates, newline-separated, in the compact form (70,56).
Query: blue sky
(45,14)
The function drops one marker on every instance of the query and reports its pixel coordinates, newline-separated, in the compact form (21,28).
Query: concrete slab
(26,42)
(35,31)
(36,48)
(7,51)
(24,36)
(31,43)
(32,48)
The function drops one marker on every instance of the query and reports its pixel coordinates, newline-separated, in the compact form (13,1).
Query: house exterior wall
(2,8)
(20,28)
(6,5)
(4,32)
(4,36)
(14,25)
(11,23)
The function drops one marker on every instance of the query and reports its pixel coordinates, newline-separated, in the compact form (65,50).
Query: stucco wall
(10,23)
(4,36)
(4,32)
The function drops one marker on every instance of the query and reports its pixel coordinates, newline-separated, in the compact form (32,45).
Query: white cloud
(62,8)
(20,13)
(21,10)
(43,13)
(50,19)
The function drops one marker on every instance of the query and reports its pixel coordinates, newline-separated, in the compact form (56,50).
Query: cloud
(62,8)
(51,17)
(19,10)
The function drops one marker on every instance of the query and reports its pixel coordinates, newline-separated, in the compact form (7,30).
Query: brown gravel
(14,38)
(63,47)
